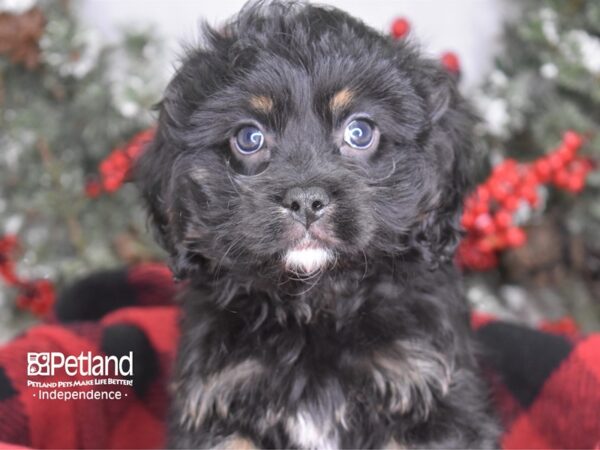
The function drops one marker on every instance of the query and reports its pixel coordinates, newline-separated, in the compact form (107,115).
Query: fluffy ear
(151,180)
(158,171)
(154,178)
(449,137)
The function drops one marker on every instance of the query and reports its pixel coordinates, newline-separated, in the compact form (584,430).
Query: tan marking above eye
(341,100)
(261,103)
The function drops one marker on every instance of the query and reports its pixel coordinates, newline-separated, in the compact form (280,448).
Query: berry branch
(36,296)
(494,214)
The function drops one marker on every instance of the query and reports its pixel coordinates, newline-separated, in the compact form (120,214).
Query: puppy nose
(306,204)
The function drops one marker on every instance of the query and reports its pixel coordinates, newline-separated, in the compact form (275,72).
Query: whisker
(391,172)
(366,264)
(232,181)
(222,259)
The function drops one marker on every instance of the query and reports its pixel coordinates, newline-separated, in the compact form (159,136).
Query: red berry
(111,183)
(485,245)
(566,154)
(572,140)
(576,183)
(400,28)
(499,191)
(467,220)
(579,168)
(512,179)
(561,178)
(511,202)
(481,207)
(470,256)
(529,193)
(576,166)
(530,178)
(115,170)
(503,219)
(470,203)
(36,296)
(485,224)
(138,143)
(8,243)
(483,194)
(543,169)
(515,237)
(501,169)
(556,160)
(451,62)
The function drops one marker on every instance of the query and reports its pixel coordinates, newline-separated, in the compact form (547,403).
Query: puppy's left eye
(249,140)
(359,134)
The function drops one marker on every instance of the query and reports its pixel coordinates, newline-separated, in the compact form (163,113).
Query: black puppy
(306,179)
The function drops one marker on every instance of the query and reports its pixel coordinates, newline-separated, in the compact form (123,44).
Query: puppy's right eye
(248,140)
(359,134)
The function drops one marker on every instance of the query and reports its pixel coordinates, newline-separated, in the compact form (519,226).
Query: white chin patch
(307,260)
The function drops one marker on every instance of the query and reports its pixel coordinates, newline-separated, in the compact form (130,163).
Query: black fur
(373,349)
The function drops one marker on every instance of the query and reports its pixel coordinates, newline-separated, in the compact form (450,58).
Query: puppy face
(296,140)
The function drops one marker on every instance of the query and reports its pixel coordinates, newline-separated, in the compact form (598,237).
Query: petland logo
(47,364)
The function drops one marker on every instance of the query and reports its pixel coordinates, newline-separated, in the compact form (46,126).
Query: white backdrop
(468,27)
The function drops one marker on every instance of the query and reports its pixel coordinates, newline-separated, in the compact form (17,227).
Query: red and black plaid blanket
(545,383)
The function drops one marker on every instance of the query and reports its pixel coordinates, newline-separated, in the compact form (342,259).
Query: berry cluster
(36,296)
(116,168)
(491,213)
(400,29)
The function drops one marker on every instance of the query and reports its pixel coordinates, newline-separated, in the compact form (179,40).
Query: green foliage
(550,73)
(57,122)
(547,80)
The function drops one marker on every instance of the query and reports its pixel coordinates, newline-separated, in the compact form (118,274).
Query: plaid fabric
(545,384)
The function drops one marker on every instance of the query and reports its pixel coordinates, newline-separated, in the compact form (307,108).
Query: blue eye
(249,140)
(359,134)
